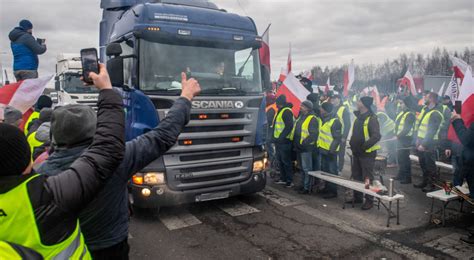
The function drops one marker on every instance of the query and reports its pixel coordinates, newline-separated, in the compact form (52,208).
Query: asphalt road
(280,224)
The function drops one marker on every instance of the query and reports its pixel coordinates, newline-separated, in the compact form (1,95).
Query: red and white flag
(24,94)
(283,74)
(294,92)
(466,95)
(408,81)
(453,88)
(328,85)
(265,50)
(459,67)
(349,78)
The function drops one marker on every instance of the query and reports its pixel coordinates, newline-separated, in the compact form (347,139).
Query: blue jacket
(25,49)
(104,222)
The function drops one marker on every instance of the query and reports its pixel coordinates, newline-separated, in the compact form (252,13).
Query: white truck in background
(68,85)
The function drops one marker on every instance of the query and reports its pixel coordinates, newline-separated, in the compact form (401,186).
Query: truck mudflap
(161,195)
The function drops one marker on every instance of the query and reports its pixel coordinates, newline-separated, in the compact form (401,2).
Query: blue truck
(219,154)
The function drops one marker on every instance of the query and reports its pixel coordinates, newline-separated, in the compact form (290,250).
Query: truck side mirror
(57,85)
(115,69)
(113,49)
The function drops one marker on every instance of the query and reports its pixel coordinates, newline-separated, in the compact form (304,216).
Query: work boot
(428,188)
(367,205)
(420,185)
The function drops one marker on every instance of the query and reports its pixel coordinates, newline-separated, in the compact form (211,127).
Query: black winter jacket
(57,200)
(466,136)
(357,142)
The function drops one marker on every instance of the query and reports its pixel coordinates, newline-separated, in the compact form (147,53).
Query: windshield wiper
(223,91)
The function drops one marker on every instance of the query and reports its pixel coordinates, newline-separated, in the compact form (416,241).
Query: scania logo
(219,104)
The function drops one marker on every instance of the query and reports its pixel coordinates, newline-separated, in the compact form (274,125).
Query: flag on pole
(459,67)
(328,84)
(453,88)
(466,96)
(283,74)
(289,61)
(294,92)
(408,81)
(349,78)
(264,51)
(441,90)
(24,94)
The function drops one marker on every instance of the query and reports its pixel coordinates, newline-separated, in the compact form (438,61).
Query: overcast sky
(322,32)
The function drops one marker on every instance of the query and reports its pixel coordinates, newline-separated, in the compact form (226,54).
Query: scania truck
(219,154)
(68,85)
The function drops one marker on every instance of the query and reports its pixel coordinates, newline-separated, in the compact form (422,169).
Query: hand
(421,148)
(101,80)
(455,116)
(190,87)
(448,153)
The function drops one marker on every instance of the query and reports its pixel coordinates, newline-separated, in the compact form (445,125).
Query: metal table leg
(432,208)
(389,213)
(445,204)
(398,212)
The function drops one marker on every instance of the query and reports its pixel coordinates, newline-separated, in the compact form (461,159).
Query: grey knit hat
(73,125)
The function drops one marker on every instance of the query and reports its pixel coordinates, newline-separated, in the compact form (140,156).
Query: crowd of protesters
(316,139)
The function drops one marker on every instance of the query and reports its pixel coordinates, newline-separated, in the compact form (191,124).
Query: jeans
(363,167)
(341,155)
(329,165)
(404,163)
(305,161)
(316,160)
(458,177)
(467,170)
(283,156)
(25,74)
(428,166)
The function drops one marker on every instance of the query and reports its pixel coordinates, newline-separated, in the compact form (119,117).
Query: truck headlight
(258,166)
(154,178)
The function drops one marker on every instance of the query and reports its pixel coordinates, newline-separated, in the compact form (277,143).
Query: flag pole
(266,30)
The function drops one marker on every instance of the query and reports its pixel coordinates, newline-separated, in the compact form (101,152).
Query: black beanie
(281,100)
(367,101)
(328,107)
(43,101)
(313,97)
(15,154)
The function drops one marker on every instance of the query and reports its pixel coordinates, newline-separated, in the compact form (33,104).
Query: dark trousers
(428,165)
(329,165)
(467,170)
(404,163)
(316,160)
(341,155)
(283,156)
(362,168)
(458,177)
(119,251)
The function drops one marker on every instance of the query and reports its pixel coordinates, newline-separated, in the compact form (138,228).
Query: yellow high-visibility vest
(423,127)
(325,138)
(376,146)
(401,121)
(388,126)
(304,128)
(279,124)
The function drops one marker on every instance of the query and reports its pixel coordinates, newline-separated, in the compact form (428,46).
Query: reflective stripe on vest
(419,117)
(279,125)
(33,142)
(275,109)
(20,217)
(388,126)
(423,128)
(325,138)
(376,146)
(340,114)
(33,116)
(304,129)
(400,123)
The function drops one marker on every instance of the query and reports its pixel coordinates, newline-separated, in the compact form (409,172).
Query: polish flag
(289,61)
(466,95)
(265,50)
(459,67)
(295,92)
(23,95)
(307,74)
(349,78)
(328,84)
(283,74)
(408,81)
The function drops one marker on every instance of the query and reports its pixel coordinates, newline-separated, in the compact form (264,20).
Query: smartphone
(90,63)
(458,107)
(40,41)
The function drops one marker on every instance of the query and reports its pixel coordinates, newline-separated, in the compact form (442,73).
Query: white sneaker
(291,185)
(280,182)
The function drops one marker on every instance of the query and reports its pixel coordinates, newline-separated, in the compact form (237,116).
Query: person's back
(41,212)
(25,50)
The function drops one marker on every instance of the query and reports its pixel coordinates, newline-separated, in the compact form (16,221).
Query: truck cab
(68,85)
(220,153)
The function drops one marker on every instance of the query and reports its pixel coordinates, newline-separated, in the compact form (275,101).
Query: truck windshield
(219,71)
(72,83)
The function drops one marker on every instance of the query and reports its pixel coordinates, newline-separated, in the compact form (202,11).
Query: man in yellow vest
(282,127)
(304,135)
(43,102)
(270,112)
(41,213)
(387,130)
(404,131)
(427,142)
(344,116)
(329,140)
(364,146)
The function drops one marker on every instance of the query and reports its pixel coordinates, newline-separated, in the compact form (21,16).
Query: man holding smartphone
(25,49)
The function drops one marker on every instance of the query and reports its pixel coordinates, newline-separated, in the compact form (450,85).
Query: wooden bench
(445,199)
(440,165)
(360,187)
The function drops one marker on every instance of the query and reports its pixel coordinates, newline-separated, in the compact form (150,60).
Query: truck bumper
(161,195)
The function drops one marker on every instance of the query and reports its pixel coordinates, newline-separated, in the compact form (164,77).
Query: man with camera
(25,50)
